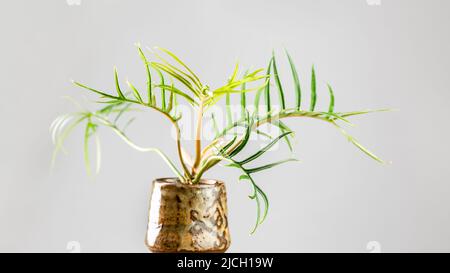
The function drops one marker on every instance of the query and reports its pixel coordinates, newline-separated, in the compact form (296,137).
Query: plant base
(188,218)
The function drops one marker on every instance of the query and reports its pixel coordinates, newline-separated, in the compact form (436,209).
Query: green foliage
(178,80)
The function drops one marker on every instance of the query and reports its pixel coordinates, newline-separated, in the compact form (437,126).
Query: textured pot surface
(188,218)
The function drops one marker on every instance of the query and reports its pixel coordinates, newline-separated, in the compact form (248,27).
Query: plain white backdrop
(376,54)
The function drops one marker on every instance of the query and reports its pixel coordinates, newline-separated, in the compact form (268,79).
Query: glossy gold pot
(187,218)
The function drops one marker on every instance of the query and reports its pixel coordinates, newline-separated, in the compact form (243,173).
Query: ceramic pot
(187,218)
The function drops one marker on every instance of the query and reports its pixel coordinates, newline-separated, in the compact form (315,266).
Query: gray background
(392,55)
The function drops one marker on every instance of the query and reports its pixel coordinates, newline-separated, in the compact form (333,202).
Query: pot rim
(203,183)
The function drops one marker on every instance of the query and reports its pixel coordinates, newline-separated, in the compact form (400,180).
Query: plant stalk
(198,141)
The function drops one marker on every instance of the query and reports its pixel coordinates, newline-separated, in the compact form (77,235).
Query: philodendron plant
(170,81)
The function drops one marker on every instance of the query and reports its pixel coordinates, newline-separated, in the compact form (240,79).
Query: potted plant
(188,213)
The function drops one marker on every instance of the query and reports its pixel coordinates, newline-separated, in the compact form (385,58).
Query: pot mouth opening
(204,182)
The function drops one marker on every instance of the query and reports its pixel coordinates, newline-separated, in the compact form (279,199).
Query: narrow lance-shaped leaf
(244,177)
(257,100)
(149,76)
(284,128)
(258,208)
(313,90)
(180,78)
(182,73)
(178,60)
(261,133)
(357,144)
(228,145)
(218,93)
(355,113)
(175,105)
(169,108)
(246,137)
(266,203)
(177,91)
(255,196)
(153,100)
(267,88)
(331,107)
(95,90)
(268,166)
(264,149)
(116,80)
(243,98)
(163,91)
(61,137)
(231,86)
(228,110)
(278,82)
(297,87)
(235,72)
(135,92)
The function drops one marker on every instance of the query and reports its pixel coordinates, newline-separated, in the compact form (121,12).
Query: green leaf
(245,138)
(266,203)
(257,100)
(258,210)
(178,92)
(230,86)
(177,76)
(228,145)
(178,60)
(298,91)
(112,105)
(268,166)
(313,90)
(259,132)
(135,92)
(236,68)
(169,108)
(278,82)
(267,88)
(95,91)
(284,128)
(255,196)
(331,107)
(264,149)
(163,91)
(182,73)
(243,98)
(357,144)
(228,110)
(355,113)
(61,137)
(244,177)
(175,103)
(116,80)
(149,76)
(239,91)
